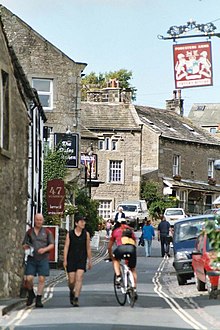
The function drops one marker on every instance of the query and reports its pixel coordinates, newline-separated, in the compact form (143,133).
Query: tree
(95,81)
(156,201)
(88,208)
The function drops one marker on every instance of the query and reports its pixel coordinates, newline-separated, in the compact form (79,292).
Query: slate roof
(205,114)
(108,116)
(171,125)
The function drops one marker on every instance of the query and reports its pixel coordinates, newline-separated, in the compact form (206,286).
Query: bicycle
(125,291)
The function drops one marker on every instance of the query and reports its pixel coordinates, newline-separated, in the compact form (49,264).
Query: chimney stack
(176,104)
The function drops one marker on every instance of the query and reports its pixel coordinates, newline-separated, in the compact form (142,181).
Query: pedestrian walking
(120,214)
(38,241)
(163,234)
(148,236)
(77,251)
(108,228)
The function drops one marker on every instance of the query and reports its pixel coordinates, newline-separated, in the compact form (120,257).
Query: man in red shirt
(125,240)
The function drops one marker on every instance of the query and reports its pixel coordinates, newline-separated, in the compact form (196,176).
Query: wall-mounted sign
(90,163)
(55,196)
(69,143)
(192,65)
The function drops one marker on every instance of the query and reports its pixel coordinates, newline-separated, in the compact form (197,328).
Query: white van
(135,212)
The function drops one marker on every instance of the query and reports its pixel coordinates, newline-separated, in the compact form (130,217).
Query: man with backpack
(38,241)
(124,238)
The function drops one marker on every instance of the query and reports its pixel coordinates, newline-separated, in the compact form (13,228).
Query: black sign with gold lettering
(69,143)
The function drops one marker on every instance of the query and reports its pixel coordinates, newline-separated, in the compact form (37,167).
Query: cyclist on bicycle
(125,240)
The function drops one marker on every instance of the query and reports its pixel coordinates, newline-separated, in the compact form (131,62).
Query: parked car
(212,211)
(185,234)
(174,213)
(206,273)
(136,212)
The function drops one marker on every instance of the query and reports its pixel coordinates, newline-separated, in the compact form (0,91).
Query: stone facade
(118,134)
(42,60)
(13,180)
(168,136)
(147,142)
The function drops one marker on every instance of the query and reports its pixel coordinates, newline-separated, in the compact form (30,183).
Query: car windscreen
(129,208)
(188,230)
(174,212)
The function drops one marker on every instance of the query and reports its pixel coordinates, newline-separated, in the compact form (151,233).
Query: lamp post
(90,173)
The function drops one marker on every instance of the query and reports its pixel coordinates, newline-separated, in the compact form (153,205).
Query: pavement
(9,304)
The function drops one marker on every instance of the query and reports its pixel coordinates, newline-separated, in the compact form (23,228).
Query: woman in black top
(76,252)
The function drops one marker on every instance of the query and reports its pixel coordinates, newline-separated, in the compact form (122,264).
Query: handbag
(141,240)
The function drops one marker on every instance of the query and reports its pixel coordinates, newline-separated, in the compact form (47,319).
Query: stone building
(207,116)
(21,128)
(55,76)
(137,143)
(116,126)
(180,156)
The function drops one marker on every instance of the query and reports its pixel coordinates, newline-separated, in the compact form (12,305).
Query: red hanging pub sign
(193,65)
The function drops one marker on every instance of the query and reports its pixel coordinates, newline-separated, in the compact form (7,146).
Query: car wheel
(212,290)
(199,284)
(181,280)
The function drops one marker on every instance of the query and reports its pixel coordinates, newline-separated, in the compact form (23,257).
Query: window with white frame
(114,145)
(176,165)
(105,209)
(100,144)
(210,168)
(115,171)
(4,110)
(182,199)
(107,143)
(44,88)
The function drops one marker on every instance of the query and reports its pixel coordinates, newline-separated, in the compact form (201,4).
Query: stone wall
(41,59)
(128,150)
(13,186)
(192,167)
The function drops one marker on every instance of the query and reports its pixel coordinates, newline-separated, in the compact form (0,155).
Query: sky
(110,35)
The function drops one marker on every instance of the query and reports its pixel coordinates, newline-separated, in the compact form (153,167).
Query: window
(182,199)
(44,88)
(100,144)
(107,143)
(115,171)
(4,110)
(114,144)
(105,209)
(176,165)
(213,130)
(210,168)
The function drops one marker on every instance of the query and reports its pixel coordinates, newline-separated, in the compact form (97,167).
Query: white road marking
(171,302)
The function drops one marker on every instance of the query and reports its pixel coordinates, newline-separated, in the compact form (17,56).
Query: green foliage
(98,81)
(88,208)
(150,191)
(213,233)
(54,168)
(157,203)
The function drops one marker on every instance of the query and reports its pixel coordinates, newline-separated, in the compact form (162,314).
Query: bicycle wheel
(120,292)
(130,289)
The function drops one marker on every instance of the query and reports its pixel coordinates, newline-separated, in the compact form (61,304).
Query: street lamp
(90,173)
(90,162)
